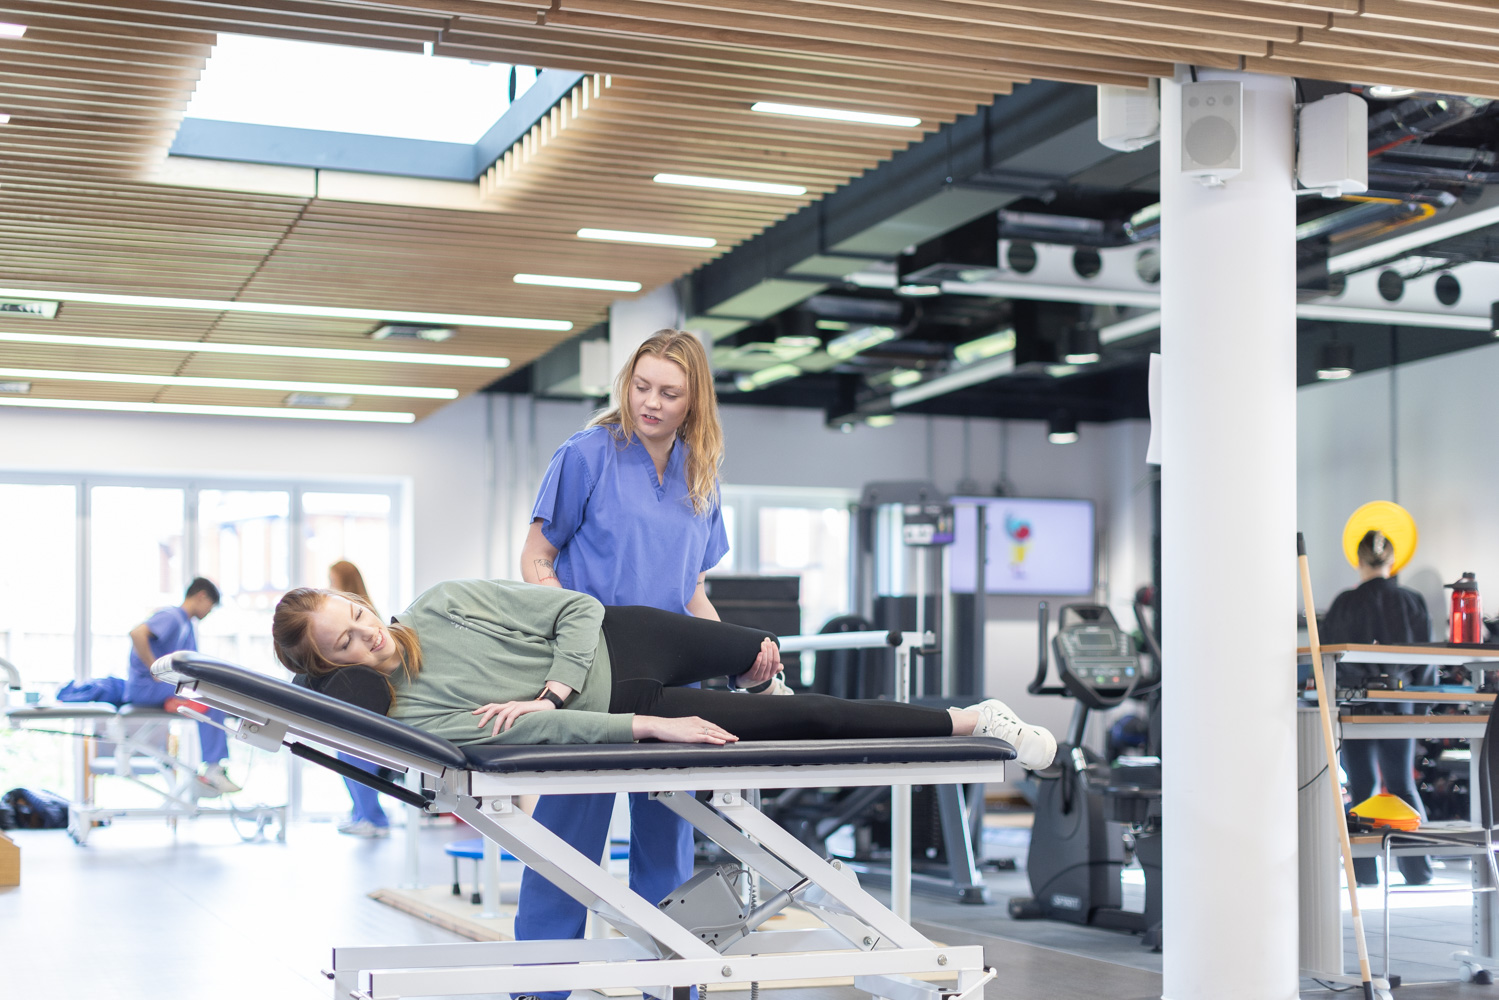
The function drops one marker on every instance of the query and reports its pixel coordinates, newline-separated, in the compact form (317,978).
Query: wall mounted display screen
(1035,546)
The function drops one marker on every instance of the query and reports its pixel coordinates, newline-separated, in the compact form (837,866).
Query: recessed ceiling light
(879,420)
(15,388)
(766,376)
(902,377)
(277,309)
(261,350)
(194,409)
(558,281)
(726,184)
(832,324)
(4,119)
(411,331)
(917,290)
(656,239)
(1080,359)
(321,400)
(834,114)
(8,30)
(276,385)
(1335,361)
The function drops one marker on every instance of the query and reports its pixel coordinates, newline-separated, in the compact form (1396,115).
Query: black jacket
(1382,611)
(361,686)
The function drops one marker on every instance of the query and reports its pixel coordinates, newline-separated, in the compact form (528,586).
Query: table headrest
(304,703)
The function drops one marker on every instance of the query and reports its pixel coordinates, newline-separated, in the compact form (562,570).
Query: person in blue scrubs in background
(170,630)
(628,512)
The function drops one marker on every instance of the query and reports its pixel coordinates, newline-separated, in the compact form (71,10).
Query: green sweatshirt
(496,641)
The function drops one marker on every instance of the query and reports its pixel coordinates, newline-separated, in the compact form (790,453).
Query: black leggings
(652,652)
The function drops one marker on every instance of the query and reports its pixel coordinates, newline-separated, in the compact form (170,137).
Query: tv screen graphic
(1036,546)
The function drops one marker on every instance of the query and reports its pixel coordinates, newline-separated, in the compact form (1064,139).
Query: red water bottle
(1467,611)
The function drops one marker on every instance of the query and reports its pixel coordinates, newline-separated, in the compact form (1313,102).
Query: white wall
(1437,464)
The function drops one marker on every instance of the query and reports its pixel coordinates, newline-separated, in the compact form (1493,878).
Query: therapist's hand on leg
(767,665)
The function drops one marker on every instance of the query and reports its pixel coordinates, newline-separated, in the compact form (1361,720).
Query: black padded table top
(509,759)
(300,702)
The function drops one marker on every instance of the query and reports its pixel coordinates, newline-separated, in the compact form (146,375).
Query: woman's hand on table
(767,665)
(504,714)
(687,730)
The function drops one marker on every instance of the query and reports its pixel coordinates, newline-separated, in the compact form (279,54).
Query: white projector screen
(1035,546)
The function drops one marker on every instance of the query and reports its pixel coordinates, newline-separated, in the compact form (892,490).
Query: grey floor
(141,915)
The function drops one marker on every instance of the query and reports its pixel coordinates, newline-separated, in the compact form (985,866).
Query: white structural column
(1228,509)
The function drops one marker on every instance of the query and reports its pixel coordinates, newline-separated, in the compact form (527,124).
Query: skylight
(338,88)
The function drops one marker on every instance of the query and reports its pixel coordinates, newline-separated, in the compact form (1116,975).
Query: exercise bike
(1078,848)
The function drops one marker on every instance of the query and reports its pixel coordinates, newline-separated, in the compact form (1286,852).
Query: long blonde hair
(701,430)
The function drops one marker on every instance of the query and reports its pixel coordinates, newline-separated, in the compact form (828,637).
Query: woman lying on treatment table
(480,661)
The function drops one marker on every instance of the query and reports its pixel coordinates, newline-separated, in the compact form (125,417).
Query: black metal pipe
(395,791)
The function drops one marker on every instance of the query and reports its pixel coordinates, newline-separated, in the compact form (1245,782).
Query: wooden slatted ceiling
(96,90)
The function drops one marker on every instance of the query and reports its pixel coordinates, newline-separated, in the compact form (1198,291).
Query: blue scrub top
(622,536)
(171,630)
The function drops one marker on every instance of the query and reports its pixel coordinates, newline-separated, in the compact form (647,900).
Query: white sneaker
(214,782)
(1034,746)
(364,828)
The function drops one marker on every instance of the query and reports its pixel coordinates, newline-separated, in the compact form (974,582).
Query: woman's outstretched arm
(689,729)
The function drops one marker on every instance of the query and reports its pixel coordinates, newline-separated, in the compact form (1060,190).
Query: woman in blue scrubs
(628,512)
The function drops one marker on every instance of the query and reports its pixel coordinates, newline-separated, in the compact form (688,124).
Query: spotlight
(1083,347)
(1336,361)
(1061,428)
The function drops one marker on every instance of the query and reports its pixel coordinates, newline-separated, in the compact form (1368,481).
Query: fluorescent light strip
(725,184)
(8,30)
(1129,327)
(260,350)
(558,281)
(273,309)
(984,371)
(834,114)
(192,409)
(1353,260)
(1388,317)
(398,391)
(656,239)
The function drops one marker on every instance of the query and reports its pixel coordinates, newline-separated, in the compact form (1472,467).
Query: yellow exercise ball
(1392,519)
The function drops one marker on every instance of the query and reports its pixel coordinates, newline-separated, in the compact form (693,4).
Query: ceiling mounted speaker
(1212,127)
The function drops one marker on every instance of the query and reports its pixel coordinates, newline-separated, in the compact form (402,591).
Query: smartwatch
(549,695)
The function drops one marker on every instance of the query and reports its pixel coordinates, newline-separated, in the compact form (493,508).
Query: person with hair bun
(1380,610)
(628,513)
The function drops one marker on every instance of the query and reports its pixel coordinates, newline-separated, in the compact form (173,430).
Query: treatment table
(703,932)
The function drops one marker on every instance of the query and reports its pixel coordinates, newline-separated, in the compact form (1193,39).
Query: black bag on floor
(36,809)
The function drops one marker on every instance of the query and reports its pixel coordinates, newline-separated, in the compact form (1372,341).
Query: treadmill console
(1096,659)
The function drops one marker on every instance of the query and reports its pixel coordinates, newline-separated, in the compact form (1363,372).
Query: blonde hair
(701,431)
(291,633)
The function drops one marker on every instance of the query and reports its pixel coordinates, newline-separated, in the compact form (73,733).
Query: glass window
(38,591)
(243,547)
(810,542)
(354,527)
(135,566)
(730,562)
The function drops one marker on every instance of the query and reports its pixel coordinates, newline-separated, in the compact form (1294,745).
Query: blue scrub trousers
(660,860)
(213,742)
(366,799)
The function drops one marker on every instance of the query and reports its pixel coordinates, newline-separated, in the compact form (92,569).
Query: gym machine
(1087,811)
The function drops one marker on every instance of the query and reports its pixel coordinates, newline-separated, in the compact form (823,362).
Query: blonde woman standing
(628,512)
